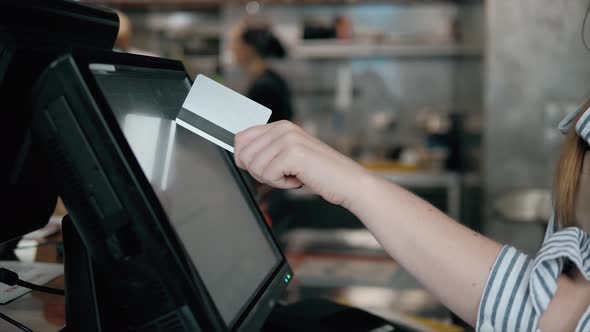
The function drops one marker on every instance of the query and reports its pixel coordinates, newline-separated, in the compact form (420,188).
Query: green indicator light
(289,276)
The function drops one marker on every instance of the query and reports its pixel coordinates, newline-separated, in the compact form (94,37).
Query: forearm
(452,261)
(449,259)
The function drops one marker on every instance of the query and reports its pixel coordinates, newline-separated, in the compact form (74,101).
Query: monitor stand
(82,302)
(90,303)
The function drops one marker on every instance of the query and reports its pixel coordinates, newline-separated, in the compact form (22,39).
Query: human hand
(284,156)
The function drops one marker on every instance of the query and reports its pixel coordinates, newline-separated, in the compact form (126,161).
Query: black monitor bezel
(83,59)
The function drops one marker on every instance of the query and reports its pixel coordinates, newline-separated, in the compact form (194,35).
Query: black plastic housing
(33,33)
(140,266)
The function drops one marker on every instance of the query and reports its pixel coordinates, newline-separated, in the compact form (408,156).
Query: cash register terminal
(172,233)
(163,235)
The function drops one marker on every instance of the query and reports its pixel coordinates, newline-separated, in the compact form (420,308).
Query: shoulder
(519,288)
(272,79)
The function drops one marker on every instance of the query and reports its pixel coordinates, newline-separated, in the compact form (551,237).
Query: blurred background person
(252,47)
(125,37)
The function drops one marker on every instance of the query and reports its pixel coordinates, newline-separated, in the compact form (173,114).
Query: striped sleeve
(583,126)
(506,302)
(519,288)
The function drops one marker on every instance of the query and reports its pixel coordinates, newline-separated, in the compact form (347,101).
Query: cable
(15,323)
(11,278)
(43,289)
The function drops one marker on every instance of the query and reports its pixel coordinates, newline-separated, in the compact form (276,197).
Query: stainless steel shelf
(322,50)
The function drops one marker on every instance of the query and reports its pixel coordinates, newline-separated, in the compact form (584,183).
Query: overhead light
(252,7)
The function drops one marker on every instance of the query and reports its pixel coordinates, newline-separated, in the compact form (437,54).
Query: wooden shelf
(322,50)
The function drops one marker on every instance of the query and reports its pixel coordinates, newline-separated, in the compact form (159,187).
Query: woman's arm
(450,260)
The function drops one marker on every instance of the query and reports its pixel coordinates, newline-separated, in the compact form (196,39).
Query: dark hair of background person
(264,42)
(268,87)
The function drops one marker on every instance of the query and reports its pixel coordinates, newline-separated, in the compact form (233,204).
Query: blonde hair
(124,35)
(568,174)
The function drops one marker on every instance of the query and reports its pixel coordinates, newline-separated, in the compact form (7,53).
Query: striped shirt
(519,288)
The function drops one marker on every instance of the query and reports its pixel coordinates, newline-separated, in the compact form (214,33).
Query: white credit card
(217,113)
